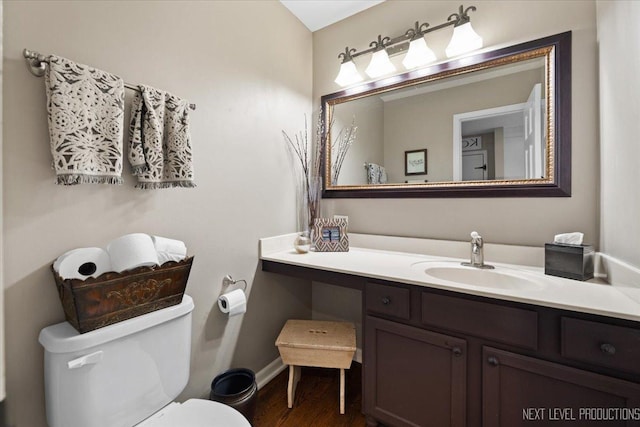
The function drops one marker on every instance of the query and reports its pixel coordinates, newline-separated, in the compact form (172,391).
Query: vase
(308,204)
(302,243)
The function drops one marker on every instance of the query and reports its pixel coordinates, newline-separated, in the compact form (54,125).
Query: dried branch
(310,163)
(346,137)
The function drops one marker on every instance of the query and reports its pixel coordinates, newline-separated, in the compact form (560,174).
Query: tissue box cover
(569,261)
(113,297)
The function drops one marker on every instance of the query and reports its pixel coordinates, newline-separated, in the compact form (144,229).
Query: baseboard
(269,372)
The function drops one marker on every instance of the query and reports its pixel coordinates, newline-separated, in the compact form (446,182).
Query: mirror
(496,124)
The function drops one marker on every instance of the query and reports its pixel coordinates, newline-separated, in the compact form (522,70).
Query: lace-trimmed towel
(160,142)
(376,174)
(86,117)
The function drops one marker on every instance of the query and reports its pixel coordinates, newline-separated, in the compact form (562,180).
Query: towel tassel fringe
(87,179)
(159,185)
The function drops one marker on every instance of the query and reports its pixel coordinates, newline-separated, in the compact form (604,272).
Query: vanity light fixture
(464,40)
(380,63)
(419,53)
(348,72)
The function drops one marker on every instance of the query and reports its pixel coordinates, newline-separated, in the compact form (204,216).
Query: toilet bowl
(127,374)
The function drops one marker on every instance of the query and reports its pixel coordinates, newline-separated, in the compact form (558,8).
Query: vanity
(448,345)
(451,345)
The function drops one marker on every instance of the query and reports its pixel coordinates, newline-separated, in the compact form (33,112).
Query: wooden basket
(113,297)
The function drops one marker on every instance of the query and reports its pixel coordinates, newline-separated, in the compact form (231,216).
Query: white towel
(86,115)
(160,142)
(169,249)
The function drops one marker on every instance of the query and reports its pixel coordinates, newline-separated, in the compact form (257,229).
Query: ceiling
(317,14)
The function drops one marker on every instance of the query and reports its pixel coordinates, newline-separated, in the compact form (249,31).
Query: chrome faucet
(477,252)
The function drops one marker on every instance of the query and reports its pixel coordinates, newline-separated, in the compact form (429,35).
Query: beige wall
(529,221)
(619,42)
(247,66)
(426,121)
(368,146)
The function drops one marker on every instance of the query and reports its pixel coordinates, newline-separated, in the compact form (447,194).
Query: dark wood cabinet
(512,326)
(601,344)
(519,390)
(414,377)
(438,358)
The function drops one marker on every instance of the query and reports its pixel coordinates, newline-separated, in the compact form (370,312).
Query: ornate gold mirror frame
(556,182)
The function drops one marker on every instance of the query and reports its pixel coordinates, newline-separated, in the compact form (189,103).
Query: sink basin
(499,278)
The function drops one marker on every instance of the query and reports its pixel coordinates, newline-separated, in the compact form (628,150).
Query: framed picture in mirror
(330,235)
(415,162)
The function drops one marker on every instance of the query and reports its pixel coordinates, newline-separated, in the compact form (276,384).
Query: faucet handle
(476,238)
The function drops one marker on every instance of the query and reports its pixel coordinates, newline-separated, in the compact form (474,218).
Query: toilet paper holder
(228,281)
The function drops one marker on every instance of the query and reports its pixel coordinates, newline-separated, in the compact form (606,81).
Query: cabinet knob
(457,351)
(493,361)
(386,300)
(607,348)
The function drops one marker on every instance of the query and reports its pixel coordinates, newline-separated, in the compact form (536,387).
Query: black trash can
(238,389)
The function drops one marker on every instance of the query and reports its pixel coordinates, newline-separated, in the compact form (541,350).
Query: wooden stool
(319,344)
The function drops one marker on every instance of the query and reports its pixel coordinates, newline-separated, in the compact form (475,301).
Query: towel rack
(38,63)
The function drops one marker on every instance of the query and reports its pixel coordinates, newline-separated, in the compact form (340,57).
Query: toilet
(127,374)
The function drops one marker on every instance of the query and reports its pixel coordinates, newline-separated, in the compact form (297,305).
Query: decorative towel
(376,174)
(86,117)
(160,143)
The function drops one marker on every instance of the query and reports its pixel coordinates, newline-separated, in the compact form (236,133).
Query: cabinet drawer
(388,300)
(611,346)
(507,325)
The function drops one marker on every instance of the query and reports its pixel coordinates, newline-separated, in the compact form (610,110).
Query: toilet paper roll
(131,251)
(232,303)
(56,263)
(83,263)
(169,249)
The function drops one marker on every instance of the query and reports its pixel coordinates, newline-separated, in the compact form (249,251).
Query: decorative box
(113,297)
(569,261)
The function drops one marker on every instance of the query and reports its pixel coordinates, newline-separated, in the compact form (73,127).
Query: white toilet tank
(118,375)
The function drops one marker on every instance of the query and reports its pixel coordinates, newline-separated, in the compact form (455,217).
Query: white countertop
(595,297)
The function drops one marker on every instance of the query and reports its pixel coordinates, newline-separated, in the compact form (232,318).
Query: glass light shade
(380,64)
(464,40)
(419,54)
(348,74)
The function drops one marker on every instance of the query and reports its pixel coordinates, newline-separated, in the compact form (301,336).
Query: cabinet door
(413,377)
(519,390)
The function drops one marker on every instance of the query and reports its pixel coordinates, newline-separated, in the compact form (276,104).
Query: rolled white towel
(169,249)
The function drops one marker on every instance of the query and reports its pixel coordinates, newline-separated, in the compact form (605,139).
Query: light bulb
(419,54)
(464,40)
(348,74)
(380,64)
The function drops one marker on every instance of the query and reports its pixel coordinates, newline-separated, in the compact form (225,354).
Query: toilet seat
(196,413)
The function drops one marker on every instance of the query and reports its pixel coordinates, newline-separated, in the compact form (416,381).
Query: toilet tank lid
(196,413)
(63,338)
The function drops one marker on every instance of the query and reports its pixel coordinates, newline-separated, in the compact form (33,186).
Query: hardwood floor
(317,400)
